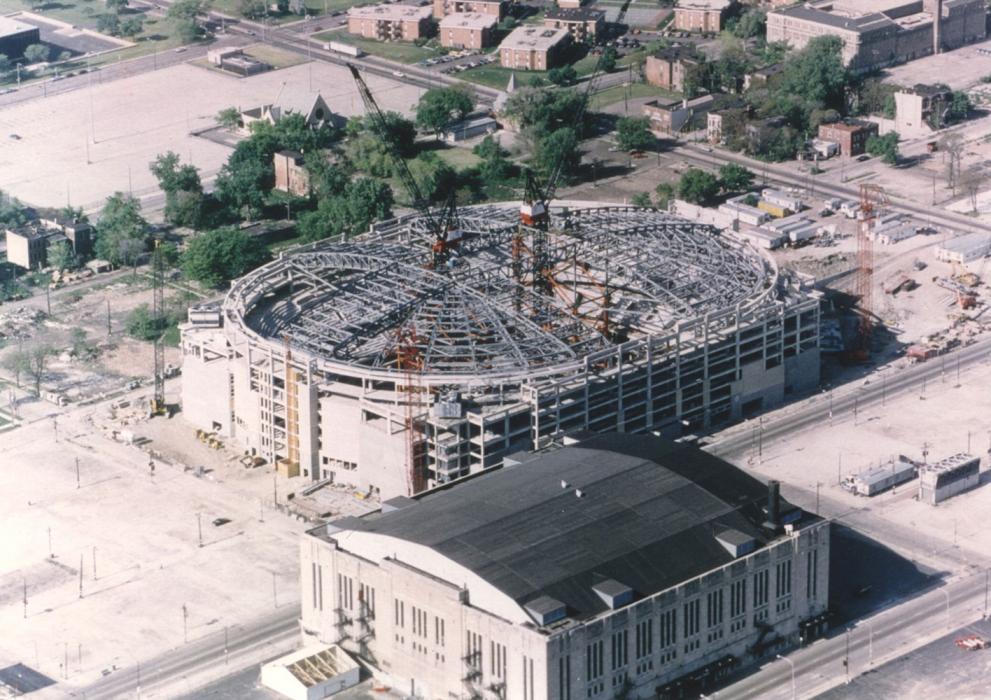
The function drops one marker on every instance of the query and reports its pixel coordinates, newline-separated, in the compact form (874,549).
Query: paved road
(276,631)
(778,174)
(736,441)
(895,631)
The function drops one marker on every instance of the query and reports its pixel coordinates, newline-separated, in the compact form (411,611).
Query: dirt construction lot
(82,146)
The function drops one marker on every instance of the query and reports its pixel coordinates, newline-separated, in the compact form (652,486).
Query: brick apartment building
(443,8)
(701,15)
(468,30)
(389,22)
(668,67)
(851,135)
(583,23)
(533,48)
(290,174)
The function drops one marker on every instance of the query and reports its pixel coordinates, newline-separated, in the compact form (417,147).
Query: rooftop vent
(613,593)
(546,610)
(735,542)
(579,493)
(564,484)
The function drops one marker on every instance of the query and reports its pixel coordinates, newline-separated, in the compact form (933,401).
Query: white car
(398,74)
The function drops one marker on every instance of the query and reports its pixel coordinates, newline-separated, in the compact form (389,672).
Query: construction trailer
(883,477)
(949,477)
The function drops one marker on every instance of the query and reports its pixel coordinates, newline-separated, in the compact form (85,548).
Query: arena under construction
(368,363)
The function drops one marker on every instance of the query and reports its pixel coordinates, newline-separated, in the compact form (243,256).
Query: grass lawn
(403,52)
(82,13)
(618,92)
(275,57)
(458,158)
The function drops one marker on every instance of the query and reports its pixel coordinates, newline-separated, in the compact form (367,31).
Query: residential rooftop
(634,509)
(391,12)
(574,14)
(703,4)
(9,26)
(468,20)
(534,38)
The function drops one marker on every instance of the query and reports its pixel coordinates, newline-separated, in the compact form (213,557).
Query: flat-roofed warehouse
(636,321)
(16,36)
(617,564)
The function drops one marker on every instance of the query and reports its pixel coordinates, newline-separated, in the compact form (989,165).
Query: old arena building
(618,566)
(355,361)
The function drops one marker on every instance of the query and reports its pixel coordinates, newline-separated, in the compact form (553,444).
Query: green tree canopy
(440,106)
(434,177)
(735,178)
(563,75)
(349,212)
(633,134)
(229,118)
(36,53)
(816,74)
(885,147)
(182,187)
(560,146)
(399,131)
(216,257)
(698,186)
(121,233)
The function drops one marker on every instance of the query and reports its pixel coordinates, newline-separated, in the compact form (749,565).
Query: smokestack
(937,22)
(773,505)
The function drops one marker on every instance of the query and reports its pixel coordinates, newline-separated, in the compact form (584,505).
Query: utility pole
(185,617)
(48,299)
(77,463)
(199,526)
(226,649)
(51,554)
(80,576)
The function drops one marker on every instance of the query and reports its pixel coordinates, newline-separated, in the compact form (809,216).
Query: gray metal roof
(648,518)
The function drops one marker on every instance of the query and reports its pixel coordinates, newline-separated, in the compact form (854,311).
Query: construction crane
(158,406)
(873,199)
(444,228)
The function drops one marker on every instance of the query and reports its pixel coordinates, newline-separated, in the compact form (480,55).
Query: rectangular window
(761,581)
(620,649)
(738,597)
(714,608)
(811,573)
(474,646)
(497,660)
(782,579)
(693,615)
(313,577)
(645,639)
(668,628)
(564,676)
(320,586)
(527,678)
(366,599)
(593,660)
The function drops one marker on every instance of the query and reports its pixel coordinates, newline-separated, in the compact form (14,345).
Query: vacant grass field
(403,52)
(81,13)
(275,57)
(458,158)
(618,93)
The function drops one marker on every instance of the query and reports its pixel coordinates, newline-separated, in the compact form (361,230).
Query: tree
(108,23)
(959,108)
(633,134)
(440,106)
(182,187)
(971,181)
(18,362)
(37,362)
(885,147)
(951,145)
(60,256)
(131,26)
(559,147)
(752,23)
(735,178)
(397,130)
(116,6)
(229,118)
(141,324)
(563,76)
(495,167)
(664,193)
(434,177)
(183,14)
(12,212)
(121,233)
(641,199)
(349,212)
(253,9)
(4,63)
(36,53)
(607,62)
(817,74)
(216,257)
(698,186)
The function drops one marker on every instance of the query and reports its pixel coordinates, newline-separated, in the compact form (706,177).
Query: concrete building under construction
(359,362)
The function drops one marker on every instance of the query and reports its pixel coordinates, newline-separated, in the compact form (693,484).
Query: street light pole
(946,593)
(791,663)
